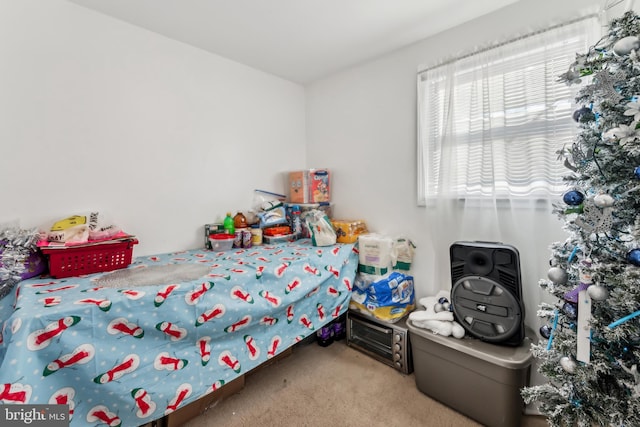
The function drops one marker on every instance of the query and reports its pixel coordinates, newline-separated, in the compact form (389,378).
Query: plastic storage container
(221,242)
(478,379)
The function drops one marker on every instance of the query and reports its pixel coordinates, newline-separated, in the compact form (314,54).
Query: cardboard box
(310,186)
(277,358)
(192,410)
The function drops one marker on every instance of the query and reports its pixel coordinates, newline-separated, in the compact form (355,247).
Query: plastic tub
(478,379)
(221,241)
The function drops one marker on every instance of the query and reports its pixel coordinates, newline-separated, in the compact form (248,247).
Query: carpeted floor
(332,386)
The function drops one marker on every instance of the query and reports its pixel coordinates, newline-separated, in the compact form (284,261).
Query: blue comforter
(129,355)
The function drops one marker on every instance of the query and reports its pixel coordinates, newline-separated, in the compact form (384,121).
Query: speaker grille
(509,280)
(457,271)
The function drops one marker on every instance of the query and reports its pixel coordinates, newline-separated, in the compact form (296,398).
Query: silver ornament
(557,275)
(605,84)
(568,364)
(625,45)
(603,201)
(598,292)
(594,219)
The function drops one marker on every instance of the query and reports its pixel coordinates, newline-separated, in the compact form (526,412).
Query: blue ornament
(634,257)
(573,198)
(584,114)
(636,172)
(545,331)
(571,310)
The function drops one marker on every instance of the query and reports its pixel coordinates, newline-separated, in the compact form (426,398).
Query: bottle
(324,336)
(228,225)
(338,327)
(296,222)
(240,221)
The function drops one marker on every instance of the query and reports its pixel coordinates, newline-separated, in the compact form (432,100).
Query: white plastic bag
(404,249)
(320,228)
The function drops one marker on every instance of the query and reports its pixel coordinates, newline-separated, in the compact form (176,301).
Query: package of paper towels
(377,253)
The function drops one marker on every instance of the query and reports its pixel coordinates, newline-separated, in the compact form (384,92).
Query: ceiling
(298,40)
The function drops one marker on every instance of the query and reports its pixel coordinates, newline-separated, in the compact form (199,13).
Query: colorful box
(309,186)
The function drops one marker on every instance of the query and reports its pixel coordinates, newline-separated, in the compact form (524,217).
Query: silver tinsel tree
(589,350)
(16,245)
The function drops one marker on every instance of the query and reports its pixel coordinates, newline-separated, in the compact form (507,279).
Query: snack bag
(80,229)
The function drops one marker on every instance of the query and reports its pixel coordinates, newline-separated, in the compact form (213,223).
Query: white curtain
(489,126)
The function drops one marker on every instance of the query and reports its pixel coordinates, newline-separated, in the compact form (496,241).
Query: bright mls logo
(34,415)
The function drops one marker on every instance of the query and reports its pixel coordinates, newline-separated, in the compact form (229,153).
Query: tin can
(246,238)
(237,241)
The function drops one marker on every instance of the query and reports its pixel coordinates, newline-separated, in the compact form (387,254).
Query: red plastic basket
(77,261)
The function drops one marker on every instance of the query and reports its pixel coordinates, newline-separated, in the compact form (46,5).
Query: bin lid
(509,357)
(221,236)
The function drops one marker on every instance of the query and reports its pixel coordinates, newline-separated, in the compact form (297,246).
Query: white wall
(96,114)
(361,123)
(101,115)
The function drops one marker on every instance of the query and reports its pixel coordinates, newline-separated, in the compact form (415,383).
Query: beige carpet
(332,386)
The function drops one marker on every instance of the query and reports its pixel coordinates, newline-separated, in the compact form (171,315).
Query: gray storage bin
(478,379)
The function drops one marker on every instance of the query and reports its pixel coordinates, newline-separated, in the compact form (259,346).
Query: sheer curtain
(489,128)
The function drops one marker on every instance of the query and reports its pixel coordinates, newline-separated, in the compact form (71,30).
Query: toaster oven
(387,342)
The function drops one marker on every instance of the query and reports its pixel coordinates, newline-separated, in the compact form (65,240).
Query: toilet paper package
(390,298)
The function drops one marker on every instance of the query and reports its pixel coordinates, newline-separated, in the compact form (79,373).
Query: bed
(120,350)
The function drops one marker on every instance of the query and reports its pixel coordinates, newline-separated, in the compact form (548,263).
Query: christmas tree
(591,332)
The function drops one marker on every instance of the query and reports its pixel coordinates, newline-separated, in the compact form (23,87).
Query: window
(490,125)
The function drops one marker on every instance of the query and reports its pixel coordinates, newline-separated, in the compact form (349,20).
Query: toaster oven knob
(399,365)
(397,347)
(397,337)
(397,357)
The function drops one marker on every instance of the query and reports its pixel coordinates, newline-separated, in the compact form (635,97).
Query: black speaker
(486,292)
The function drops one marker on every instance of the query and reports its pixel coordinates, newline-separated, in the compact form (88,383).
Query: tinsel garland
(16,245)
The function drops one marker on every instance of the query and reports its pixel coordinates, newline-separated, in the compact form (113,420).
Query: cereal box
(309,186)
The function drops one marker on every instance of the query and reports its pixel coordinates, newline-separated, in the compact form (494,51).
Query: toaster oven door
(372,338)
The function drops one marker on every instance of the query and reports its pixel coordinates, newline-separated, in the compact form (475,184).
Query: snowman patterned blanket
(119,355)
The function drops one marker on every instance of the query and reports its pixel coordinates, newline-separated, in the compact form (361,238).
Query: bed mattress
(126,353)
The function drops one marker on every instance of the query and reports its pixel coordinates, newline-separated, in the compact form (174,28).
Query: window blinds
(490,124)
